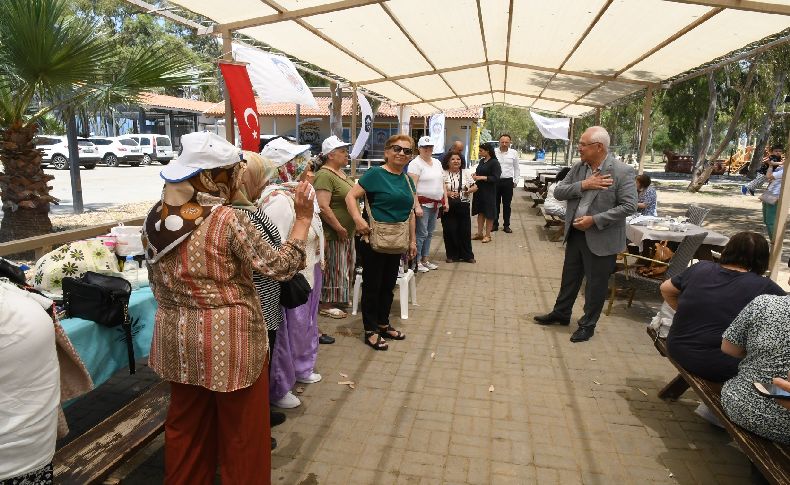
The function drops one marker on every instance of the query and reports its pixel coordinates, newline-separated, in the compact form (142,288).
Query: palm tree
(54,62)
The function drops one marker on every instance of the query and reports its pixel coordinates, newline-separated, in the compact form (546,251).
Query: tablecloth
(637,234)
(103,349)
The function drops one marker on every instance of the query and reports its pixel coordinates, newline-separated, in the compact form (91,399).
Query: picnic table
(639,233)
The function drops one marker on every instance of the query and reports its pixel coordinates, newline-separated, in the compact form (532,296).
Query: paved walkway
(477,394)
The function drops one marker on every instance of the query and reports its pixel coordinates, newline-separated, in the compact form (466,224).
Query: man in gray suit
(601,193)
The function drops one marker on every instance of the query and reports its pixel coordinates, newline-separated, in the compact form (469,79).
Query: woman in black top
(707,297)
(484,203)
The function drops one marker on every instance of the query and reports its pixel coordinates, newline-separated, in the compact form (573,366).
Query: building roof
(171,102)
(569,56)
(385,110)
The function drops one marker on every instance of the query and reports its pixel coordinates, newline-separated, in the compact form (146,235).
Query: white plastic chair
(407,284)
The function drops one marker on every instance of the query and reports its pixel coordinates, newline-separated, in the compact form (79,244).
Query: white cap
(200,151)
(425,141)
(281,151)
(331,143)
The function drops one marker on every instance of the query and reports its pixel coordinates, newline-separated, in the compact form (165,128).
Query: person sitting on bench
(552,206)
(707,297)
(760,335)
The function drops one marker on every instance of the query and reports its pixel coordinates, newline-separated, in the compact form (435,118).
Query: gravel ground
(101,215)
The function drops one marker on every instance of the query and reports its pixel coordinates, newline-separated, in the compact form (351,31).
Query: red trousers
(205,428)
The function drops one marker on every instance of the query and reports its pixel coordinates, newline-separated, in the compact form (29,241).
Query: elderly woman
(456,222)
(646,196)
(210,337)
(331,187)
(707,297)
(431,199)
(295,350)
(484,205)
(390,193)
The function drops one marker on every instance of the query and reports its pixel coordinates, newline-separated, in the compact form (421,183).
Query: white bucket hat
(200,151)
(425,141)
(281,151)
(331,143)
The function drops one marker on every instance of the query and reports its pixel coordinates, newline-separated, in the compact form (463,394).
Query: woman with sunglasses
(390,194)
(486,177)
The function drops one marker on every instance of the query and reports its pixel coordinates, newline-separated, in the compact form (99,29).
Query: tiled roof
(289,109)
(172,102)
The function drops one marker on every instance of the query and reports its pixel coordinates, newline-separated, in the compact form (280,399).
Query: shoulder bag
(388,237)
(294,292)
(102,299)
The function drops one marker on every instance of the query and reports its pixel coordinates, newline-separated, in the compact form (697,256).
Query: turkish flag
(242,99)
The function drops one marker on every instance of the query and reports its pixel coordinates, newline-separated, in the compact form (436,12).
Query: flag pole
(354,107)
(227,56)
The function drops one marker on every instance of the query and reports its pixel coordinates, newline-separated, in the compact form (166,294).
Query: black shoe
(494,229)
(276,418)
(274,443)
(326,339)
(507,230)
(550,318)
(751,191)
(582,334)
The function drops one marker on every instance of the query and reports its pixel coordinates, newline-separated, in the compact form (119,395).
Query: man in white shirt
(511,174)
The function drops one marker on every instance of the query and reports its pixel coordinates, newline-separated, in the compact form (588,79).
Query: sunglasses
(398,149)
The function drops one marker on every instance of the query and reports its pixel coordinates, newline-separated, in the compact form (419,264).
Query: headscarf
(291,170)
(257,175)
(185,205)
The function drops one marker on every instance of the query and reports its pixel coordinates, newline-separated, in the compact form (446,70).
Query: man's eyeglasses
(582,144)
(398,149)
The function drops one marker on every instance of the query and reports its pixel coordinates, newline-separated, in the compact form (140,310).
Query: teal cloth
(391,196)
(103,349)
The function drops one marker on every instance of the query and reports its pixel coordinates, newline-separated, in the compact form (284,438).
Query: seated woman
(707,297)
(760,335)
(646,192)
(551,205)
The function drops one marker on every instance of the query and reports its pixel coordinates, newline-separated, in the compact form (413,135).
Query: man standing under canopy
(511,174)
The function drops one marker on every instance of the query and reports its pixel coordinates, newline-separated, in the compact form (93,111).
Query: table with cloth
(639,232)
(103,349)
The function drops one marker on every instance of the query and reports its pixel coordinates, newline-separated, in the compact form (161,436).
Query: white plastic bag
(663,320)
(128,240)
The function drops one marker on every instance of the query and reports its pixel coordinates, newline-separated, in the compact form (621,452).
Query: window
(127,142)
(101,141)
(163,141)
(46,141)
(84,143)
(144,141)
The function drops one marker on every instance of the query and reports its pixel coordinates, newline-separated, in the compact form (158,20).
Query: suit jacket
(609,208)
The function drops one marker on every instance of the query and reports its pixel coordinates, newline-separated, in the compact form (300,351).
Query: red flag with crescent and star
(242,99)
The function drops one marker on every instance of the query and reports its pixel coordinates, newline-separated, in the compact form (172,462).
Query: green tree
(55,62)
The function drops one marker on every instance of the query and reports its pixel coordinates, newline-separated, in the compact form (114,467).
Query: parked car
(114,151)
(154,147)
(55,151)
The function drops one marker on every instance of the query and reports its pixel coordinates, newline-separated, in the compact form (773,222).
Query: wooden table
(638,234)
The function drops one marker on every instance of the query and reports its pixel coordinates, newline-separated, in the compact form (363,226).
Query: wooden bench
(537,198)
(553,221)
(92,456)
(770,458)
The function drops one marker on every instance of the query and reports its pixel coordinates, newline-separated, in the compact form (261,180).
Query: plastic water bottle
(130,270)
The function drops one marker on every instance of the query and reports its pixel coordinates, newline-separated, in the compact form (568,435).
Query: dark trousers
(379,274)
(580,263)
(457,232)
(504,196)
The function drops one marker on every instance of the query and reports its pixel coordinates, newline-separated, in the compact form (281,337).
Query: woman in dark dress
(484,203)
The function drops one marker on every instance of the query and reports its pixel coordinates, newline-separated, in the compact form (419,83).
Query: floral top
(209,327)
(648,197)
(452,182)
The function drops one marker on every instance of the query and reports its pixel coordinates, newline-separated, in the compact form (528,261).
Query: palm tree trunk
(23,183)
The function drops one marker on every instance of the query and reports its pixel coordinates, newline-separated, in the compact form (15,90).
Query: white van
(154,147)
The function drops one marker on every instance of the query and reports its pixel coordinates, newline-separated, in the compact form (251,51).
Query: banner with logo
(367,124)
(243,101)
(274,77)
(436,125)
(552,128)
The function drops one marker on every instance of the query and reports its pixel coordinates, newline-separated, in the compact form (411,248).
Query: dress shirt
(509,162)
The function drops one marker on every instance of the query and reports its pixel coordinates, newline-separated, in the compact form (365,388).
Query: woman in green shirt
(391,196)
(331,187)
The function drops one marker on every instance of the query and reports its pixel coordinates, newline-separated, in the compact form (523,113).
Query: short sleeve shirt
(431,178)
(328,180)
(390,195)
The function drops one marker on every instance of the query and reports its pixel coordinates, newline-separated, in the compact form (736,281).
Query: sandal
(477,237)
(379,344)
(486,239)
(335,313)
(384,331)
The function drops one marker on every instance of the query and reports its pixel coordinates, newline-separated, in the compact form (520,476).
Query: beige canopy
(564,56)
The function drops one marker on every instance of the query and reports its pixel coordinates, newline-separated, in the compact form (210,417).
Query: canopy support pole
(298,121)
(568,154)
(354,107)
(646,110)
(227,55)
(780,226)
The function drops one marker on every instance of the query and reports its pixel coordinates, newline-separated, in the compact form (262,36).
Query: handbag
(662,253)
(388,237)
(294,292)
(769,199)
(102,299)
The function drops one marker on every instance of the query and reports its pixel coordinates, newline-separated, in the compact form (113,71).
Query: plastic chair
(407,284)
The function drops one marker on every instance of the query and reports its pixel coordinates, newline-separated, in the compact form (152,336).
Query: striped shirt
(267,288)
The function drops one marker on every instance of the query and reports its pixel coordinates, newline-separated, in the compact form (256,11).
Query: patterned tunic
(209,328)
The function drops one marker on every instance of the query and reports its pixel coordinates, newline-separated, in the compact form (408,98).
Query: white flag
(274,78)
(367,124)
(436,125)
(553,128)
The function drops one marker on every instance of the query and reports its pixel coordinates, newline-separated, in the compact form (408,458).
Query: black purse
(294,292)
(102,299)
